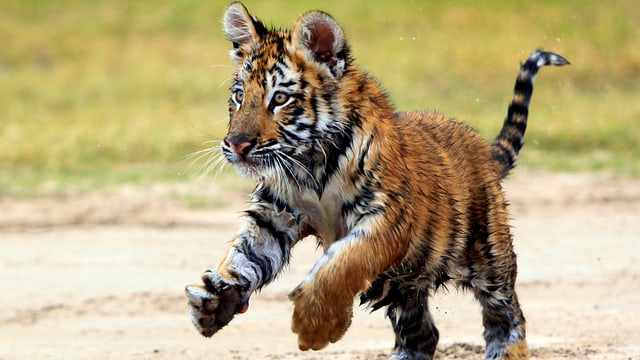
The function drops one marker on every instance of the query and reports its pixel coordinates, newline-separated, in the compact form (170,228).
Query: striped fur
(508,143)
(400,202)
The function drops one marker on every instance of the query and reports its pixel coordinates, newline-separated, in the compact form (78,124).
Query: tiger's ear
(322,40)
(240,27)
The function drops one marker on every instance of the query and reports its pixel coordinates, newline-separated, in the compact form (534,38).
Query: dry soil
(101,276)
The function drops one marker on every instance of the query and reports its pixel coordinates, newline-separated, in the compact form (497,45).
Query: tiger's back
(401,202)
(460,184)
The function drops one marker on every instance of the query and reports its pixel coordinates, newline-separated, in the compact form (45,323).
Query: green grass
(96,93)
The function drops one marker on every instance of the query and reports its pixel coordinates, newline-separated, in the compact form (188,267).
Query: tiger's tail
(507,144)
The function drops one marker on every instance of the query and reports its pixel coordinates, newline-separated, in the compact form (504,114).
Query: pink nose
(242,148)
(241,144)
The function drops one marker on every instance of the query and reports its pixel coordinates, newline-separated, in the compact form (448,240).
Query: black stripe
(515,108)
(295,114)
(267,196)
(503,155)
(284,241)
(262,222)
(290,137)
(287,83)
(524,87)
(314,106)
(339,143)
(531,67)
(327,96)
(303,84)
(262,266)
(415,331)
(363,156)
(301,126)
(277,67)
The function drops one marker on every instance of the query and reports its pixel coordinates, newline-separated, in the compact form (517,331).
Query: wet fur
(400,202)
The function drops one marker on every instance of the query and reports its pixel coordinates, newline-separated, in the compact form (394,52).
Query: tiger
(400,202)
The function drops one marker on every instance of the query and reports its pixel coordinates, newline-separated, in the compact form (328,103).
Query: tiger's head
(283,96)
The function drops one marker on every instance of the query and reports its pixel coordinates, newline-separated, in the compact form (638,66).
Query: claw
(201,298)
(214,304)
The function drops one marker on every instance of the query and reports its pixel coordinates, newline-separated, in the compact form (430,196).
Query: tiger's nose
(241,144)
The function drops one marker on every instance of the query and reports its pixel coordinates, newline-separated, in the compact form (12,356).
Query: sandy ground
(101,276)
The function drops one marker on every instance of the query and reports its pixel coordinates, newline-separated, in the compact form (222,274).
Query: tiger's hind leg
(504,323)
(416,334)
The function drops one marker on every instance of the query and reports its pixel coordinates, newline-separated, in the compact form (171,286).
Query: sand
(101,276)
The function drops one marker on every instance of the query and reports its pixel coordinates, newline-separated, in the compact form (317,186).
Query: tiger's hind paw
(214,305)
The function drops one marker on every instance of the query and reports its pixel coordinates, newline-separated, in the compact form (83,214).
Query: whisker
(217,161)
(287,167)
(226,81)
(300,165)
(207,160)
(216,142)
(208,148)
(324,153)
(198,154)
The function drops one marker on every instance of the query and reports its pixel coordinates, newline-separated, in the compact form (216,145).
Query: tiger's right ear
(240,27)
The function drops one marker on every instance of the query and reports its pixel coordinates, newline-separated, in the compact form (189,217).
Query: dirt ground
(101,276)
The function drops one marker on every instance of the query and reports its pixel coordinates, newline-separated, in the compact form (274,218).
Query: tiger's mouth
(268,158)
(247,164)
(259,162)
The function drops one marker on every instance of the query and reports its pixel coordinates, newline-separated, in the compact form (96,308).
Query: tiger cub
(401,202)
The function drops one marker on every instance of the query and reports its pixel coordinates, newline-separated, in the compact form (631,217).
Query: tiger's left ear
(322,40)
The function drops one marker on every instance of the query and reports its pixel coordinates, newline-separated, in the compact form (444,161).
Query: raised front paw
(213,305)
(319,321)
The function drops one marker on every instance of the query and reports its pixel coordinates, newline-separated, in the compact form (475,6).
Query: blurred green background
(97,93)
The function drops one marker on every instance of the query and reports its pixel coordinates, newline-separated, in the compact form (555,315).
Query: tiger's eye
(279,98)
(238,95)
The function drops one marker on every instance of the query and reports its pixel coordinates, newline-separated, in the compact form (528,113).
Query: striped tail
(507,145)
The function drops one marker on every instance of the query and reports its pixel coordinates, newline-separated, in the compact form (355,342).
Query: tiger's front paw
(318,322)
(213,305)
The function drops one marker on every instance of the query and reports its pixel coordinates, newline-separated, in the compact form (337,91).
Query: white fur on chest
(324,214)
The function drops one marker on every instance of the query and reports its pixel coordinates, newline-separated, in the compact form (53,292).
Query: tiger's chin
(256,171)
(248,170)
(246,166)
